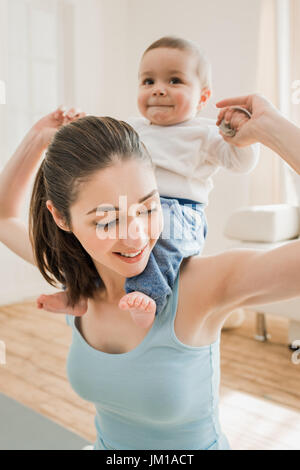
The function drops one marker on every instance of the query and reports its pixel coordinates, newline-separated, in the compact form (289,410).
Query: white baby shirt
(187,155)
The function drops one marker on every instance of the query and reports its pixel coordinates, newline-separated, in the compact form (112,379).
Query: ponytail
(58,254)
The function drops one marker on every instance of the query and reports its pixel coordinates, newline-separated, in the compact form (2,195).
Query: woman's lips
(135,259)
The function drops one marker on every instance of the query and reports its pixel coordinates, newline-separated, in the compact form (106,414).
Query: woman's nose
(137,234)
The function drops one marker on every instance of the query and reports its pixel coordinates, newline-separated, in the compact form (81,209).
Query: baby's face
(169,86)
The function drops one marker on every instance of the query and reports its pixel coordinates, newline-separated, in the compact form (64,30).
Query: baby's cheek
(184,102)
(142,100)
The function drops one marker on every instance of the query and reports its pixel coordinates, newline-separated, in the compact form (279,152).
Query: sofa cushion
(265,223)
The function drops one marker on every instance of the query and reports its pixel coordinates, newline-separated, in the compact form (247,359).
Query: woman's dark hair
(76,152)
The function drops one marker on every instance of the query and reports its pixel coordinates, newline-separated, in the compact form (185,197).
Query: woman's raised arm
(16,175)
(261,277)
(266,126)
(246,277)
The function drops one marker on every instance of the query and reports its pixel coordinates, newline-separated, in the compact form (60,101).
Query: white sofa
(267,227)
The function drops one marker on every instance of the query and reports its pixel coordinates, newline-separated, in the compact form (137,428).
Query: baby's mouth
(160,106)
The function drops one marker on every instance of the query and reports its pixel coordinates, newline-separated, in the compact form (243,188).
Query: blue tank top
(161,395)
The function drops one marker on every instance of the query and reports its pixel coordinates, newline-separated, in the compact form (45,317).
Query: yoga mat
(24,429)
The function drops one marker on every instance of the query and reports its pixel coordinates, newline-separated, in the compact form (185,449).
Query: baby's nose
(159,92)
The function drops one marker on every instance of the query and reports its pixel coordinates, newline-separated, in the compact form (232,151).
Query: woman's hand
(247,134)
(48,125)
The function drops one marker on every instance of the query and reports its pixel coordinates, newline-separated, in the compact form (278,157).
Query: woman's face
(118,211)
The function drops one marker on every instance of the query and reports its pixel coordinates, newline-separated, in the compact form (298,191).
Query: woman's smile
(129,258)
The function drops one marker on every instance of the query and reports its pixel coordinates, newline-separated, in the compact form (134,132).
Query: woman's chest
(110,330)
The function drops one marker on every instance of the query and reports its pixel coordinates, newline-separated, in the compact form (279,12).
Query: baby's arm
(222,153)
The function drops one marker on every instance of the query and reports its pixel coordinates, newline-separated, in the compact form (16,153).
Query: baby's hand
(232,122)
(48,125)
(58,303)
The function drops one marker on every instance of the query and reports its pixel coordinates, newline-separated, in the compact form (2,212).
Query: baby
(174,86)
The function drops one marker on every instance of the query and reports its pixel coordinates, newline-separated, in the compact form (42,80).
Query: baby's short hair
(174,42)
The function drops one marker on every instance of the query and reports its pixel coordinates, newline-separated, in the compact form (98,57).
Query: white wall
(101,56)
(109,37)
(24,61)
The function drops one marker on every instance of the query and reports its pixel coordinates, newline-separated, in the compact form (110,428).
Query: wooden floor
(260,385)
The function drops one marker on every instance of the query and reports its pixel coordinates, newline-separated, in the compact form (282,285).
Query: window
(33,64)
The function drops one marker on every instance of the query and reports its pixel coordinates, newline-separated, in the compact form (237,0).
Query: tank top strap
(168,313)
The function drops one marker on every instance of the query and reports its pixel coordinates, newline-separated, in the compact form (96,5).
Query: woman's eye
(105,226)
(175,80)
(149,211)
(113,222)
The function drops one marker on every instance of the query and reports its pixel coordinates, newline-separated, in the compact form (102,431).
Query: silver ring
(226,128)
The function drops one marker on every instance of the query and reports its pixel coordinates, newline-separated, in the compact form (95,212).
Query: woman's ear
(56,216)
(205,95)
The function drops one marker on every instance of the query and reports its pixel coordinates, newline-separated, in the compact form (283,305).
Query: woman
(153,389)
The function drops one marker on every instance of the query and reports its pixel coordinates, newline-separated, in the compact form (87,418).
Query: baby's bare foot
(142,308)
(57,303)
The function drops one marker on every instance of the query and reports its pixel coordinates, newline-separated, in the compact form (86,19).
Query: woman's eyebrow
(112,208)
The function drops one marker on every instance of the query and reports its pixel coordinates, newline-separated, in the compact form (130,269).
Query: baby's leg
(142,308)
(58,303)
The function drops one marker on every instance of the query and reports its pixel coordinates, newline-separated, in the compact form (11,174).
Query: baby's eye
(175,80)
(148,81)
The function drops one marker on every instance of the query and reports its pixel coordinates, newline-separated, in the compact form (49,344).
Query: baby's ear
(204,97)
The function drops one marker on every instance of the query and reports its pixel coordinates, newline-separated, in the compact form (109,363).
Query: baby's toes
(144,302)
(151,306)
(138,302)
(134,300)
(127,301)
